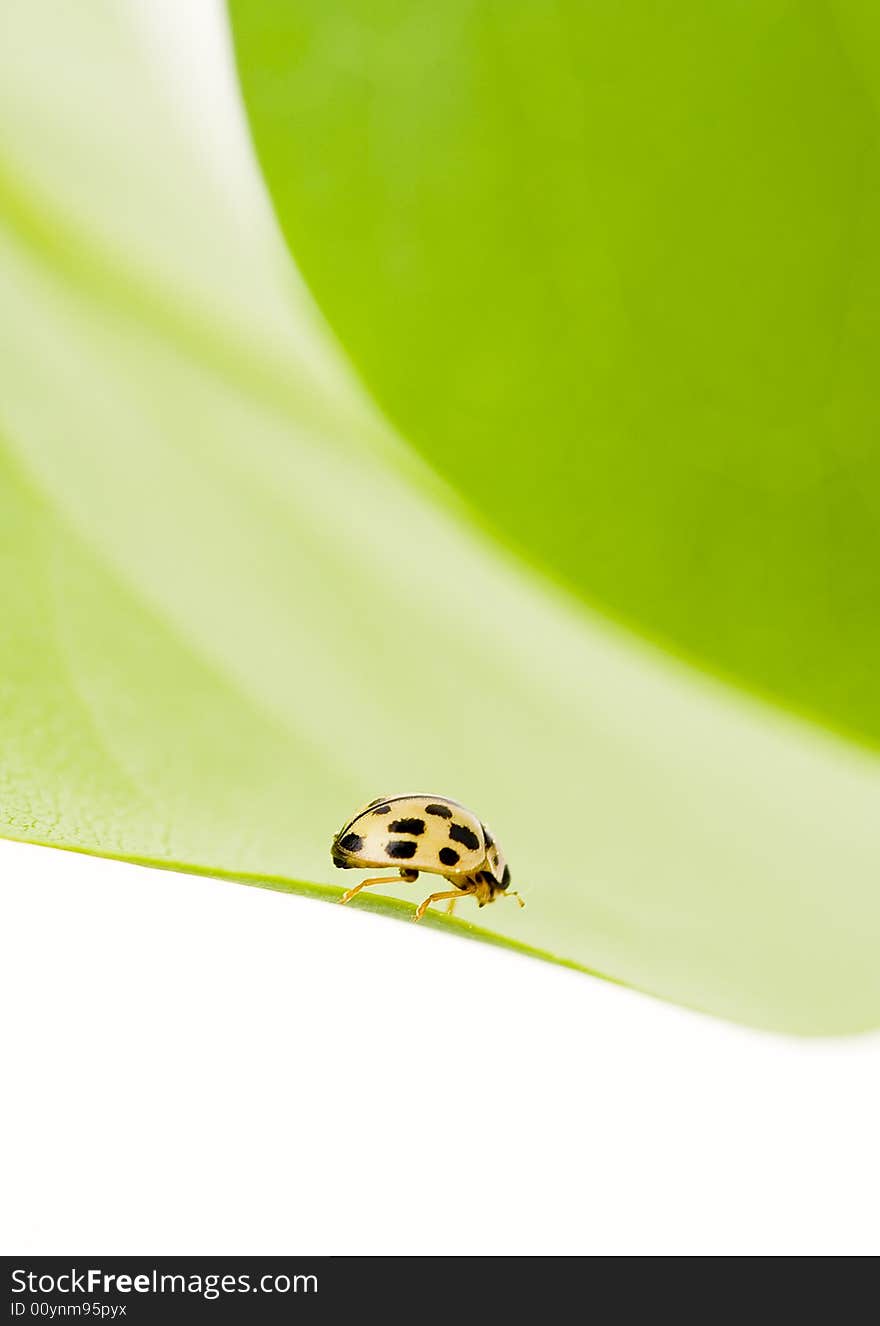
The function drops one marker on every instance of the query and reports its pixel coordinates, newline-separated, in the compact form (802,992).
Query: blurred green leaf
(614,268)
(235,605)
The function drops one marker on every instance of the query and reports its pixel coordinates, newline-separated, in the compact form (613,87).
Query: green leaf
(613,267)
(235,605)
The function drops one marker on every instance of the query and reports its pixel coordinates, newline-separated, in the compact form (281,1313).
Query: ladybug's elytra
(431,834)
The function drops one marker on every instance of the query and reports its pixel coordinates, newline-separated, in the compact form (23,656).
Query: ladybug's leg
(410,876)
(438,897)
(450,906)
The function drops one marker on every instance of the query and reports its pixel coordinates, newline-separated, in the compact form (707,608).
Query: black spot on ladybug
(407,826)
(443,811)
(340,864)
(352,842)
(505,878)
(400,849)
(382,810)
(460,833)
(448,856)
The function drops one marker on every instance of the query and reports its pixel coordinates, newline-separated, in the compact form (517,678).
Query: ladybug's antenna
(519,900)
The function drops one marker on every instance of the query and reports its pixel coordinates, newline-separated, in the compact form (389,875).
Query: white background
(199,1067)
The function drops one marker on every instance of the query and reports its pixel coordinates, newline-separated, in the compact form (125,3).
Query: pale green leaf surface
(623,255)
(235,606)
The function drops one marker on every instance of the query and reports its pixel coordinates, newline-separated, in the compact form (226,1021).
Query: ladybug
(431,834)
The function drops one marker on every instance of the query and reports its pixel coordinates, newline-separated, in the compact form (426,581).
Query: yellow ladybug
(429,833)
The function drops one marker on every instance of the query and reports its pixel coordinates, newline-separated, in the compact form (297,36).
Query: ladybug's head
(491,888)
